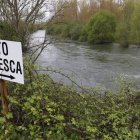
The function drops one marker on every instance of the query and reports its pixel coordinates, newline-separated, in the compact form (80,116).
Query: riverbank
(73,31)
(41,109)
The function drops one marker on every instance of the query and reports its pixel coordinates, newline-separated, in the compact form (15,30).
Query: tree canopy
(100,28)
(135,26)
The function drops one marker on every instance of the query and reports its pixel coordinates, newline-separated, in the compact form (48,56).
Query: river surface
(94,64)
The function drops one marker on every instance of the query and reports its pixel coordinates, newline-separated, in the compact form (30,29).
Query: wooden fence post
(3,91)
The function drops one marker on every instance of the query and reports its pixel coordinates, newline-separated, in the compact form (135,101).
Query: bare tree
(23,15)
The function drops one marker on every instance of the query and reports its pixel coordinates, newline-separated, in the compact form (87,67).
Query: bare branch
(24,15)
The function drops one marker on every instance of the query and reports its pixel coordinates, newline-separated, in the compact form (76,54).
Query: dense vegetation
(7,32)
(71,30)
(98,21)
(100,28)
(44,110)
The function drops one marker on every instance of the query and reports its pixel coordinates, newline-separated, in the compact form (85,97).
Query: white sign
(11,63)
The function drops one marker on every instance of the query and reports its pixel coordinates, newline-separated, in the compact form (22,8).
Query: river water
(94,64)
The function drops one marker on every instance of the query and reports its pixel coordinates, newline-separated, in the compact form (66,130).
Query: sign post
(11,69)
(3,92)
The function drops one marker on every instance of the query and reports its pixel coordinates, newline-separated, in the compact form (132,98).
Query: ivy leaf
(9,115)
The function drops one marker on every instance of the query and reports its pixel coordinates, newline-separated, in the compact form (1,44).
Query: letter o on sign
(4,48)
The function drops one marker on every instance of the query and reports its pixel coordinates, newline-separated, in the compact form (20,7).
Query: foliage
(84,35)
(55,29)
(75,32)
(122,33)
(71,30)
(101,22)
(7,32)
(124,25)
(100,28)
(135,27)
(26,17)
(67,28)
(43,109)
(81,11)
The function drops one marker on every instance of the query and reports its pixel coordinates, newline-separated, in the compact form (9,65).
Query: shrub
(51,29)
(43,109)
(7,32)
(100,28)
(75,32)
(84,35)
(55,29)
(135,26)
(71,30)
(58,29)
(122,33)
(67,29)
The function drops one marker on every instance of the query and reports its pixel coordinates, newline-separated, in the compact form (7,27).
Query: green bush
(7,32)
(75,31)
(67,29)
(100,28)
(84,35)
(71,30)
(51,29)
(42,109)
(122,33)
(55,29)
(135,26)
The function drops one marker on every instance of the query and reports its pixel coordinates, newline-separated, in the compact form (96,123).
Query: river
(94,64)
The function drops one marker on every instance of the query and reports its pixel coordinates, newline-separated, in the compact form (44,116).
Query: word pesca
(9,65)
